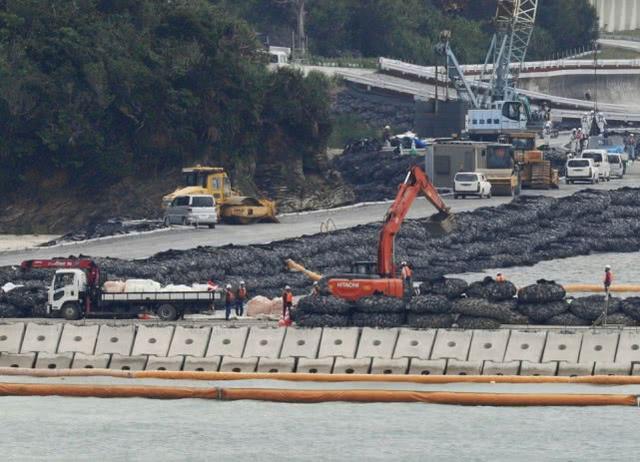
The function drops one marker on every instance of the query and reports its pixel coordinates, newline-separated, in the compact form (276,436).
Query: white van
(581,170)
(600,160)
(616,165)
(196,209)
(471,184)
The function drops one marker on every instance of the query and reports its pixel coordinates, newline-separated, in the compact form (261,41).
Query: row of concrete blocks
(503,345)
(412,366)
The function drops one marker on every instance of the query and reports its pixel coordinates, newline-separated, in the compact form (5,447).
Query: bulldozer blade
(440,224)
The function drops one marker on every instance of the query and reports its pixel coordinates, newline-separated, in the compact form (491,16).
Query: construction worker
(228,301)
(407,277)
(287,302)
(241,296)
(608,279)
(315,290)
(386,136)
(500,277)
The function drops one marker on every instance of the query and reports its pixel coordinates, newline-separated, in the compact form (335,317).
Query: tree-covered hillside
(96,90)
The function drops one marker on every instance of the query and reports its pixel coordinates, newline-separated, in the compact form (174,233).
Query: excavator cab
(364,268)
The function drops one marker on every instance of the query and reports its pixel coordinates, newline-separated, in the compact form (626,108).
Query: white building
(618,15)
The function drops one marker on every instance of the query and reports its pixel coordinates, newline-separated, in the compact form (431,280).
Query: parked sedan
(471,184)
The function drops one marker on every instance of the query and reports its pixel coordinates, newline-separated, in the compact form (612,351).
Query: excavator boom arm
(415,183)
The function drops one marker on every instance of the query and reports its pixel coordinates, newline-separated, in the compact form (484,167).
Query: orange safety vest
(608,277)
(242,293)
(288,297)
(406,272)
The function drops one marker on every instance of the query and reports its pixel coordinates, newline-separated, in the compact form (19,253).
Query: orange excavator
(381,277)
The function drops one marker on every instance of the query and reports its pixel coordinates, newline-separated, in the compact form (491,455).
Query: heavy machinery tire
(167,312)
(71,311)
(212,226)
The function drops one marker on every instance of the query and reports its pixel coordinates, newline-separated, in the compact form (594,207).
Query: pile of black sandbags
(112,227)
(322,311)
(525,231)
(374,176)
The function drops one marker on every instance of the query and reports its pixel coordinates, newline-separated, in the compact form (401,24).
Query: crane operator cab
(501,115)
(68,286)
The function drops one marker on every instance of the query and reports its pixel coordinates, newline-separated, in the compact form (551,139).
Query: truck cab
(67,292)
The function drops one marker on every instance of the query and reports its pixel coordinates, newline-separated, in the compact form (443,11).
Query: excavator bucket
(440,224)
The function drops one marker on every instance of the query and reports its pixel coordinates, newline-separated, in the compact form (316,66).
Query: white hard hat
(607,267)
(241,283)
(287,287)
(404,263)
(387,127)
(315,283)
(228,286)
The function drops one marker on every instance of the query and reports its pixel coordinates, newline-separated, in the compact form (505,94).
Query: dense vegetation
(408,29)
(92,91)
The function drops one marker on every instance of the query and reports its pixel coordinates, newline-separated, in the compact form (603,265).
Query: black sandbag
(541,312)
(481,308)
(434,304)
(380,304)
(498,291)
(10,311)
(631,307)
(372,319)
(567,319)
(449,287)
(621,319)
(541,292)
(320,304)
(476,290)
(474,322)
(321,320)
(592,306)
(429,321)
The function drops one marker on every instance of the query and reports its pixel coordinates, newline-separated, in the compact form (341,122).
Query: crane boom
(415,183)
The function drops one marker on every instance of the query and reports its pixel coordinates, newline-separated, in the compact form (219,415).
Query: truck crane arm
(86,264)
(415,183)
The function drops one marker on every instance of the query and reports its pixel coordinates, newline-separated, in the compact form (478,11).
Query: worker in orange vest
(287,302)
(241,296)
(315,290)
(500,277)
(608,279)
(407,277)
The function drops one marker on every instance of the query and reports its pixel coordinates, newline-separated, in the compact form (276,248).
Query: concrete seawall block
(598,346)
(115,339)
(562,346)
(501,368)
(531,368)
(127,363)
(452,344)
(227,341)
(352,366)
(415,343)
(628,347)
(489,345)
(455,367)
(301,343)
(427,366)
(264,342)
(153,341)
(276,365)
(54,361)
(315,366)
(11,337)
(525,346)
(161,363)
(78,339)
(41,338)
(17,359)
(210,364)
(82,361)
(339,343)
(390,366)
(611,368)
(230,364)
(575,369)
(190,341)
(377,343)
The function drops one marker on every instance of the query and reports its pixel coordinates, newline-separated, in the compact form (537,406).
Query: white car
(616,165)
(600,160)
(196,209)
(471,184)
(581,170)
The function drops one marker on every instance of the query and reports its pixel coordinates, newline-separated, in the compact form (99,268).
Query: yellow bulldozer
(232,206)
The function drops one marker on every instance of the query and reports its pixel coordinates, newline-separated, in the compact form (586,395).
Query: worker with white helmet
(241,297)
(228,301)
(315,290)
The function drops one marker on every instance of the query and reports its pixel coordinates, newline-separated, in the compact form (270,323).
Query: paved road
(624,44)
(145,245)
